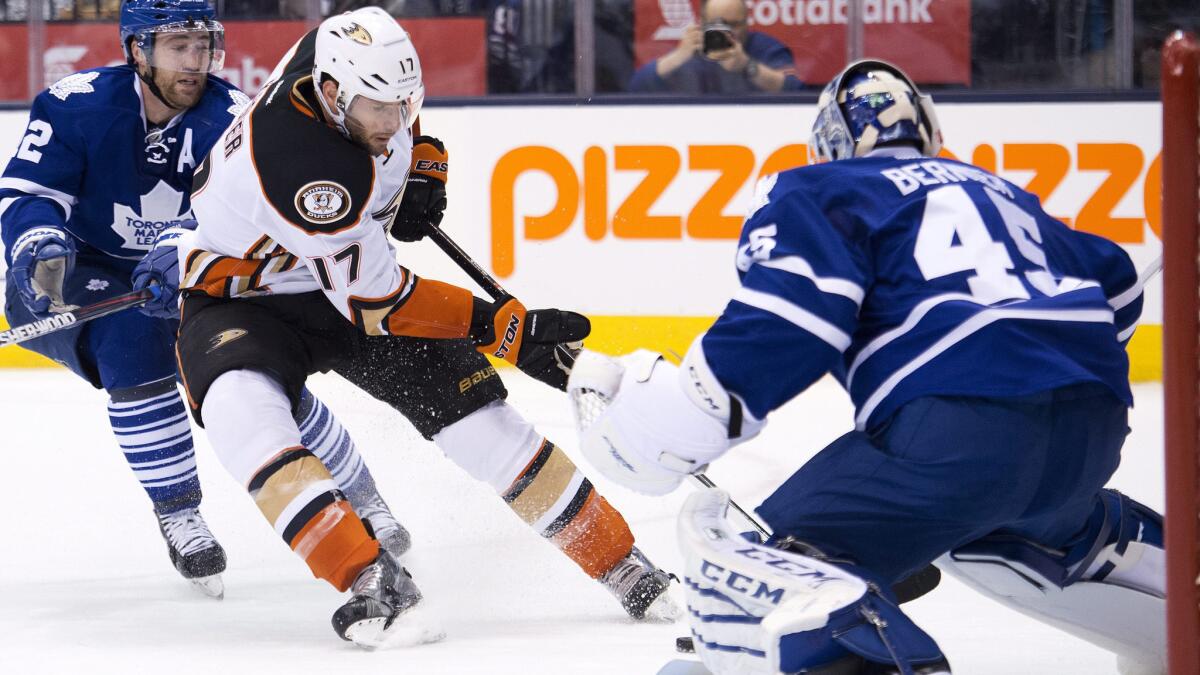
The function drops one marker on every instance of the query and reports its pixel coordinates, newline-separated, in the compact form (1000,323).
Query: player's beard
(363,138)
(176,90)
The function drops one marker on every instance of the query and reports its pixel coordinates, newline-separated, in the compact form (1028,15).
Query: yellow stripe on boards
(666,334)
(1145,354)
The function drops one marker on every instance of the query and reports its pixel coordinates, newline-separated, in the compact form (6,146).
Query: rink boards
(630,213)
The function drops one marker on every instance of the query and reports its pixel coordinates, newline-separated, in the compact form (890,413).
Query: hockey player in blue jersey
(983,345)
(105,165)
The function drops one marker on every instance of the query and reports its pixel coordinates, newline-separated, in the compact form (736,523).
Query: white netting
(587,405)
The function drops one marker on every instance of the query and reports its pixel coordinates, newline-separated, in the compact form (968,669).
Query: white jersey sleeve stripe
(961,332)
(1126,297)
(835,285)
(914,317)
(836,337)
(33,189)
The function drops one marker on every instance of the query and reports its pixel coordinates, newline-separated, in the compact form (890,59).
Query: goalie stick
(493,288)
(907,589)
(35,329)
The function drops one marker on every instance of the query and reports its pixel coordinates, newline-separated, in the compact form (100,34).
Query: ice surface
(86,586)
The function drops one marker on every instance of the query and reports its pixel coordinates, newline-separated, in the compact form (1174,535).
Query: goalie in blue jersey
(983,345)
(105,166)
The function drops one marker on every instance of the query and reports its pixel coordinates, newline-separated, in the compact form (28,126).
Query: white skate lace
(186,531)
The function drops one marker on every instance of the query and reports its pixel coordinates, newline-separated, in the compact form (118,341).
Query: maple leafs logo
(160,209)
(240,102)
(79,83)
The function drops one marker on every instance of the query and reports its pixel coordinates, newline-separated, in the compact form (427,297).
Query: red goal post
(1181,345)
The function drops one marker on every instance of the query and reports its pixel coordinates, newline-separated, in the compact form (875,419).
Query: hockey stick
(35,329)
(911,588)
(493,288)
(465,262)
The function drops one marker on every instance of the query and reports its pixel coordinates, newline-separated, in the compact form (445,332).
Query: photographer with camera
(721,56)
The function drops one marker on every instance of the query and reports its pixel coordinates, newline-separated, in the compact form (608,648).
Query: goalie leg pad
(541,485)
(755,609)
(1108,588)
(253,434)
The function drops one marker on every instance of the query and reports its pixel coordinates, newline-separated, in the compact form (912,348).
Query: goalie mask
(176,35)
(376,69)
(868,105)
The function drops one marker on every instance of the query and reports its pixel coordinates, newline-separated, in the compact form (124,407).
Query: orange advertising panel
(252,50)
(929,39)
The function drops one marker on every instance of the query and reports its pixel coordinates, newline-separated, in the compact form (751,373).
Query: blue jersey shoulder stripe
(834,336)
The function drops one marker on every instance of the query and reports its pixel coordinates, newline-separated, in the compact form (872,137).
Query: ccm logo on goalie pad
(755,588)
(510,334)
(748,586)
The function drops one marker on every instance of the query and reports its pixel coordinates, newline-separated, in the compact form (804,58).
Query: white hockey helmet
(368,54)
(869,104)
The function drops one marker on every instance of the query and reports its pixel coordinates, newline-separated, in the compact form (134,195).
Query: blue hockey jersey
(909,277)
(87,163)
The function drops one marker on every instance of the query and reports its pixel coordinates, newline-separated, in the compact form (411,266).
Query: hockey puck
(684,645)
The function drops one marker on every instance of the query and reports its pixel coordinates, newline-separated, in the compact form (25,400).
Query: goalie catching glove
(646,423)
(543,343)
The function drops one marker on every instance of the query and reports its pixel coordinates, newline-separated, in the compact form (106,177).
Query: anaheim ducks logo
(223,338)
(322,202)
(357,33)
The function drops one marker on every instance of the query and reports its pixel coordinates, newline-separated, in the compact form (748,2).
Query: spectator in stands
(722,56)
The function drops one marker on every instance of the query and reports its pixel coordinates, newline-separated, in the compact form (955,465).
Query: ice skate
(642,588)
(392,536)
(383,610)
(194,551)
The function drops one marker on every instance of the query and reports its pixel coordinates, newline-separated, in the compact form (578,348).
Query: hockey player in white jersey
(290,272)
(983,345)
(105,165)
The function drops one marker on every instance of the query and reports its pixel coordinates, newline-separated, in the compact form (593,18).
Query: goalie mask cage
(1181,345)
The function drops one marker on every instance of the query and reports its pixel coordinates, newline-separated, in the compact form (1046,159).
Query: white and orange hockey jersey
(287,205)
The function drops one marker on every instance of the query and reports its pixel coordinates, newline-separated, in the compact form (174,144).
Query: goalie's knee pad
(1108,589)
(759,610)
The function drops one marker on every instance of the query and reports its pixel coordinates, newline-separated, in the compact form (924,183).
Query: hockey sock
(555,498)
(298,496)
(249,418)
(151,426)
(540,483)
(325,437)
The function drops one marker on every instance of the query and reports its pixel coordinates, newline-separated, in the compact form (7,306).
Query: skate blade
(414,627)
(681,667)
(211,586)
(664,609)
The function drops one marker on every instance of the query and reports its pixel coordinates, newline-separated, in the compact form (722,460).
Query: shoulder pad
(99,86)
(311,175)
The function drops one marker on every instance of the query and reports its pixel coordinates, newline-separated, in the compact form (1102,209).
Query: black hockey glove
(424,198)
(543,343)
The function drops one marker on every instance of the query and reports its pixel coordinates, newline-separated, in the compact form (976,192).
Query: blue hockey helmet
(141,20)
(870,104)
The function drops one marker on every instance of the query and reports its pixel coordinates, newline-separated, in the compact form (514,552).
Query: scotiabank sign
(929,39)
(252,50)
